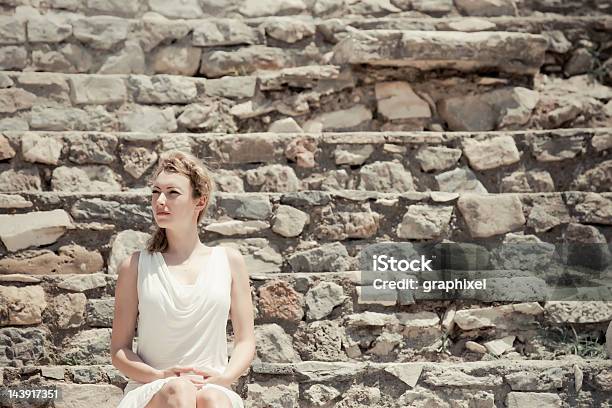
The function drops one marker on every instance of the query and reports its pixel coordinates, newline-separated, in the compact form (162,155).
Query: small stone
(275,392)
(580,62)
(278,300)
(74,179)
(237,227)
(225,32)
(286,125)
(129,60)
(274,177)
(302,151)
(149,119)
(289,29)
(231,87)
(177,60)
(425,222)
(397,100)
(345,119)
(137,160)
(475,347)
(102,32)
(48,30)
(68,310)
(20,180)
(183,9)
(162,89)
(471,24)
(487,215)
(601,142)
(500,346)
(385,177)
(13,58)
(96,90)
(243,61)
(57,373)
(489,8)
(548,212)
(13,100)
(588,311)
(261,8)
(12,31)
(547,148)
(528,182)
(114,7)
(459,180)
(491,153)
(533,399)
(289,221)
(38,149)
(274,345)
(21,306)
(352,154)
(97,148)
(436,158)
(36,228)
(321,299)
(320,394)
(82,283)
(324,258)
(557,42)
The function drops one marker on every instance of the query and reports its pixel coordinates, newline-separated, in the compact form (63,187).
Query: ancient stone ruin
(330,126)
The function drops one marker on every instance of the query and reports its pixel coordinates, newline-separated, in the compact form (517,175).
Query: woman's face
(171,200)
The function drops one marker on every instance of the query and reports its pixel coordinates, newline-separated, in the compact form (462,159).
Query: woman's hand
(211,377)
(174,371)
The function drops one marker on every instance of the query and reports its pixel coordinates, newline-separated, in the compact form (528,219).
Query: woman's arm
(241,312)
(124,325)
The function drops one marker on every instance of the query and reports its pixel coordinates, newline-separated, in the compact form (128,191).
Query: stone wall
(330,126)
(283,74)
(510,162)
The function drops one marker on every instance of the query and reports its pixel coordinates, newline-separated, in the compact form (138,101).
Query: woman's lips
(163,213)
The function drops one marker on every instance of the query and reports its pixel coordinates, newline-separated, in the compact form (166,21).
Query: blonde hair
(202,185)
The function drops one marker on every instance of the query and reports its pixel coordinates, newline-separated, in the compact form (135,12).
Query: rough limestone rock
(427,50)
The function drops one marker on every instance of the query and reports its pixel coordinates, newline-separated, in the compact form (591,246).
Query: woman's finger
(182,369)
(197,383)
(207,372)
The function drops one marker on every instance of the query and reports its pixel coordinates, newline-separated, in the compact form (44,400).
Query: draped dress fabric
(181,324)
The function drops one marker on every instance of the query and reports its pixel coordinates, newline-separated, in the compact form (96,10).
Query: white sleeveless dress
(181,324)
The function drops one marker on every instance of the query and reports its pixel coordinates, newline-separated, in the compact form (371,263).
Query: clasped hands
(193,374)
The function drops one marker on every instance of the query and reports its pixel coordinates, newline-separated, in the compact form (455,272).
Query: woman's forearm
(241,359)
(130,364)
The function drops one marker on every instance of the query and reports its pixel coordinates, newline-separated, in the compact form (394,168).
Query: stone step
(304,99)
(385,162)
(248,9)
(279,231)
(345,221)
(431,50)
(218,47)
(67,318)
(83,244)
(502,383)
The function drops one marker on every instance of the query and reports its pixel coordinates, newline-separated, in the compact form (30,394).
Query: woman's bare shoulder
(129,265)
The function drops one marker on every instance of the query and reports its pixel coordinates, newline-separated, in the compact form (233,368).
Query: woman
(182,293)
